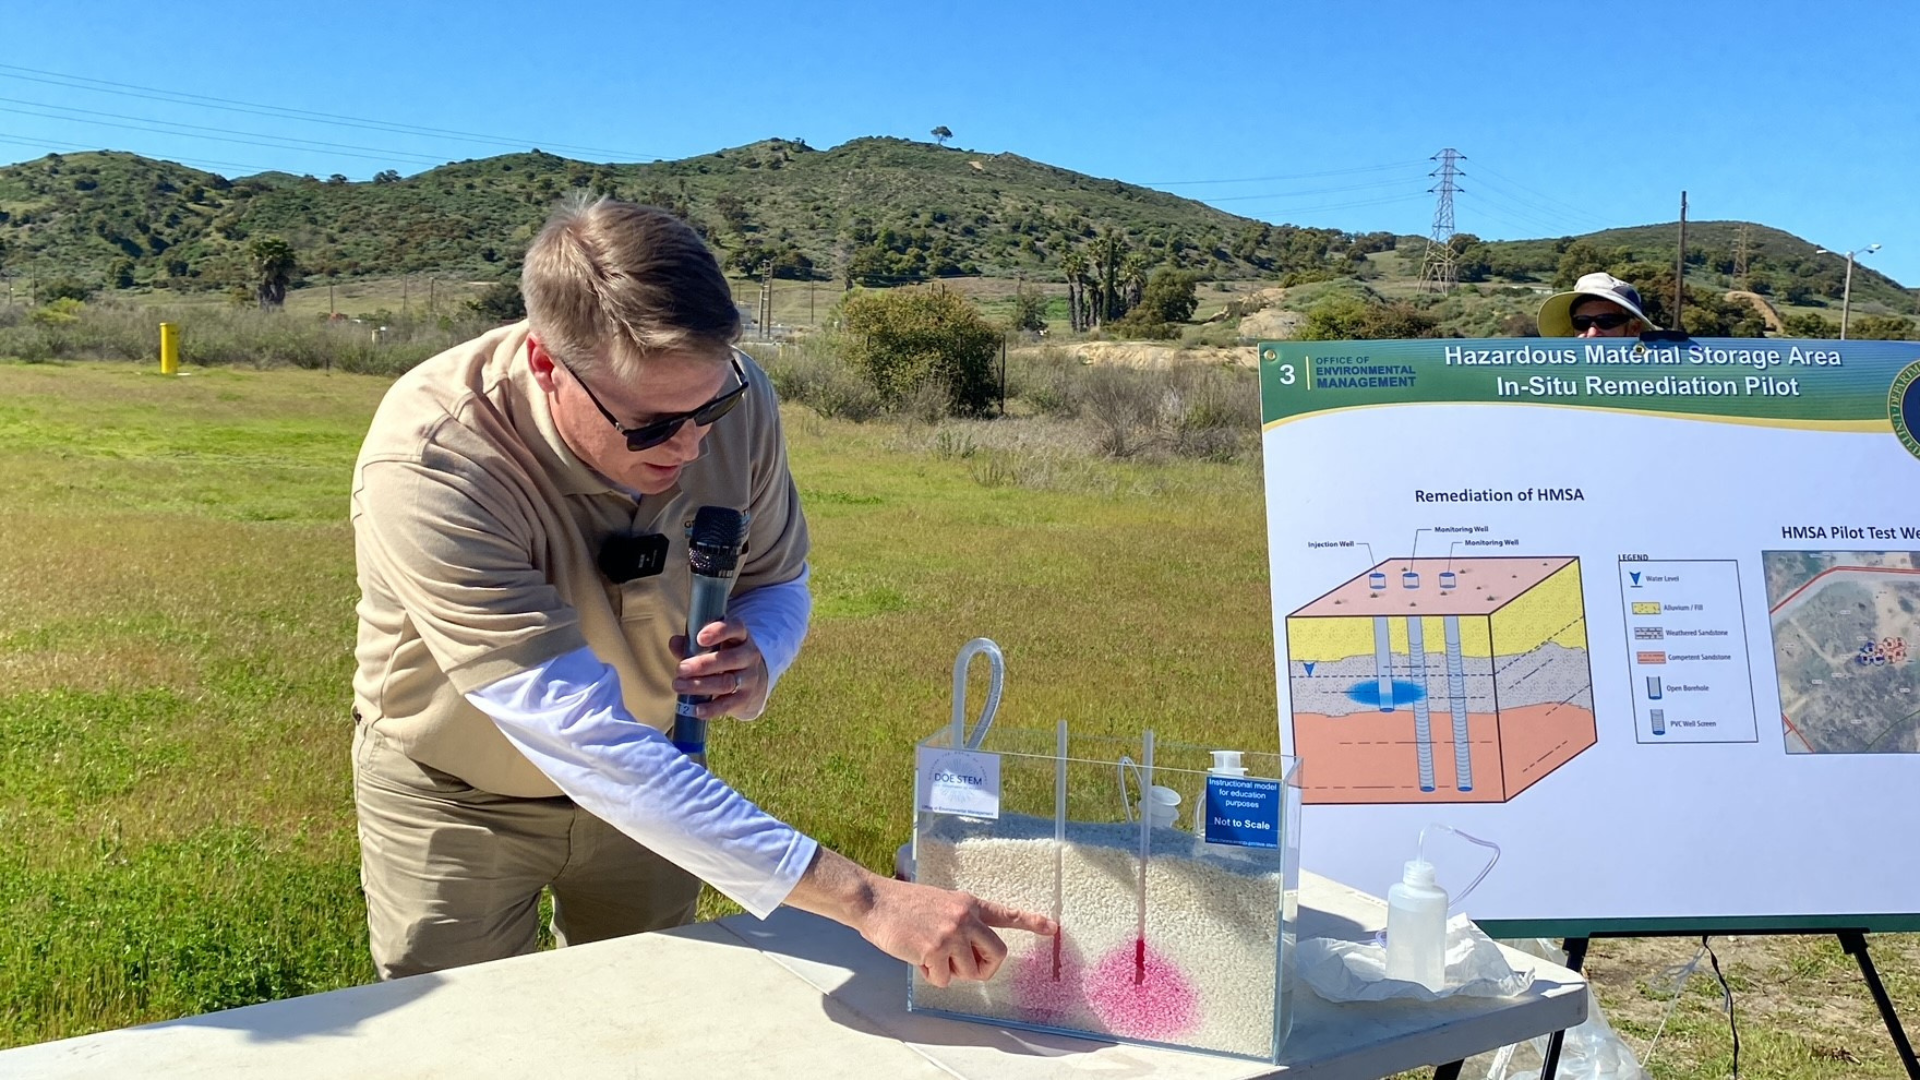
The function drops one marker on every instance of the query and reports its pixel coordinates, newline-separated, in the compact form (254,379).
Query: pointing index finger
(1000,915)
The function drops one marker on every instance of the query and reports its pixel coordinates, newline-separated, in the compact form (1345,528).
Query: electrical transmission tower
(1440,271)
(1741,250)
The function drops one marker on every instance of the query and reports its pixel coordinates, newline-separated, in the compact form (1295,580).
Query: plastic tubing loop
(1484,871)
(961,738)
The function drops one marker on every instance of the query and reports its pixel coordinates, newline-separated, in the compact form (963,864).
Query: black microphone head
(715,539)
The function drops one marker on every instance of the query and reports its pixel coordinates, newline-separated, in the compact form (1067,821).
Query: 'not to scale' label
(1243,813)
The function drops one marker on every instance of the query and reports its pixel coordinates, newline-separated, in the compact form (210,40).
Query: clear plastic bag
(1591,1051)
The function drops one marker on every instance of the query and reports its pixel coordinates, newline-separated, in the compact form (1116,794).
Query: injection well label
(962,782)
(1243,813)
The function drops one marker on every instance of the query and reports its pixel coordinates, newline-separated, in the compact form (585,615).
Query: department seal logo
(1903,405)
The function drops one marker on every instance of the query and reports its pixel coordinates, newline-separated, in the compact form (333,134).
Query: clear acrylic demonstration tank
(1213,969)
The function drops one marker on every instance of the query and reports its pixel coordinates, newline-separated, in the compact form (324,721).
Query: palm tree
(273,268)
(1133,271)
(1109,248)
(1074,266)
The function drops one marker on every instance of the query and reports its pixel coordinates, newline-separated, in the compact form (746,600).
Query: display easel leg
(1855,943)
(1576,955)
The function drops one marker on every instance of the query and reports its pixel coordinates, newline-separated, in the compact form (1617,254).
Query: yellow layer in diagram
(1550,611)
(1316,640)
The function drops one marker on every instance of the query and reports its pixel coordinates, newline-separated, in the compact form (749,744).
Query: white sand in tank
(1212,928)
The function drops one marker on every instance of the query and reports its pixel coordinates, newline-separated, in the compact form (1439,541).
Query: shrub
(65,288)
(1141,323)
(500,302)
(1169,296)
(1190,411)
(812,374)
(1881,328)
(62,312)
(222,335)
(1029,310)
(900,340)
(1809,325)
(1344,318)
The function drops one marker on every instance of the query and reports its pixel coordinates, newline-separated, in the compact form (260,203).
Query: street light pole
(1846,297)
(1846,290)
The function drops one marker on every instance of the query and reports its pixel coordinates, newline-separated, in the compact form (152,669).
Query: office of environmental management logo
(1903,405)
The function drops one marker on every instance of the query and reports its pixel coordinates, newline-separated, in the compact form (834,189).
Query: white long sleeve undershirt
(777,617)
(567,717)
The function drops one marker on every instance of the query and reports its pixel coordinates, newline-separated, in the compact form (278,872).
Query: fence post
(169,349)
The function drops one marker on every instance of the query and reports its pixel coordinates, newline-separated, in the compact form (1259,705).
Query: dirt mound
(1148,354)
(1257,300)
(1763,306)
(1271,325)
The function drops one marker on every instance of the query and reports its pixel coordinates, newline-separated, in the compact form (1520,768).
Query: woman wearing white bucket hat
(1600,305)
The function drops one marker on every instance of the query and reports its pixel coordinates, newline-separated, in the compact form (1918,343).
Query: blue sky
(1572,118)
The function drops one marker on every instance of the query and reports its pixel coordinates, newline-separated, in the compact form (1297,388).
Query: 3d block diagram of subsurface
(1441,680)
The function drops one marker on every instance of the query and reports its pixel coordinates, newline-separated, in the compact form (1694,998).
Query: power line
(1265,179)
(84,148)
(1533,228)
(1295,211)
(1551,225)
(281,142)
(1523,218)
(1546,216)
(104,86)
(1483,173)
(1398,183)
(162,131)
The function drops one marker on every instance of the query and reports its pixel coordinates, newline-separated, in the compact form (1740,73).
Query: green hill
(878,211)
(1778,264)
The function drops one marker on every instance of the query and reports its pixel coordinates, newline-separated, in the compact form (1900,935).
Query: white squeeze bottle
(1225,763)
(1417,928)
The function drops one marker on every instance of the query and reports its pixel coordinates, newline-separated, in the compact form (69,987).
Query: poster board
(1666,593)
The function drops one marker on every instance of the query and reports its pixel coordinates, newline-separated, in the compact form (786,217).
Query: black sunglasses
(654,432)
(1612,320)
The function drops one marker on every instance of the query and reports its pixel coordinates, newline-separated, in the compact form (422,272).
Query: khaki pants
(453,875)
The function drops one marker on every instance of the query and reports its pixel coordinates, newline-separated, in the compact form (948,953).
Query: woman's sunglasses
(1612,320)
(654,432)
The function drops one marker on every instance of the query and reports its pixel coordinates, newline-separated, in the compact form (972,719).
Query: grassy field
(176,827)
(418,295)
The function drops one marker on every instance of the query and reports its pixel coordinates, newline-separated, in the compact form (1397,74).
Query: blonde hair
(610,283)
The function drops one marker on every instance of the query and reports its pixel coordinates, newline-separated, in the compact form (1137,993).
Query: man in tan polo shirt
(519,512)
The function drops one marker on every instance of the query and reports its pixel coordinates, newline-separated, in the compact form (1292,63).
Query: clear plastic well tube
(1146,843)
(1060,835)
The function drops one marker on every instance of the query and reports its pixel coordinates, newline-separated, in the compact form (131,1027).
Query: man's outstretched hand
(947,935)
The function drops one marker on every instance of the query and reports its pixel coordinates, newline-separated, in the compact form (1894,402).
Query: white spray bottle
(1417,915)
(1417,928)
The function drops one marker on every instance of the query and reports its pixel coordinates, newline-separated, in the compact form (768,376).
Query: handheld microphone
(714,542)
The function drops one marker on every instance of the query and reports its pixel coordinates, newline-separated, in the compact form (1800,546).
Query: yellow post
(169,349)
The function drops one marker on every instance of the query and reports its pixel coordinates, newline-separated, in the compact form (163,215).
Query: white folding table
(795,996)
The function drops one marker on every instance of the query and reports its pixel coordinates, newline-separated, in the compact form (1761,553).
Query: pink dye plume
(1041,998)
(1135,992)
